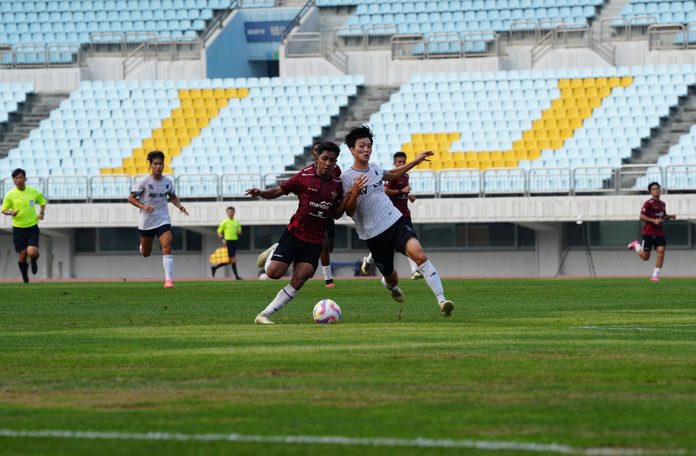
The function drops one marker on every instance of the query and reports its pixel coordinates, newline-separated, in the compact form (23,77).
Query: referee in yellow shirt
(20,204)
(229,231)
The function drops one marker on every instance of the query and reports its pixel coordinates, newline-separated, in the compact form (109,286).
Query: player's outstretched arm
(400,170)
(175,201)
(270,193)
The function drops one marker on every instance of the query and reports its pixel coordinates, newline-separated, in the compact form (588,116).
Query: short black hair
(19,171)
(400,153)
(650,185)
(230,207)
(328,146)
(363,131)
(152,155)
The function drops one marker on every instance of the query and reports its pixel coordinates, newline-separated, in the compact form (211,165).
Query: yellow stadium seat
(167,123)
(198,103)
(186,103)
(563,83)
(495,155)
(601,82)
(575,83)
(242,92)
(211,112)
(603,91)
(221,102)
(219,93)
(206,93)
(231,93)
(453,136)
(184,94)
(626,81)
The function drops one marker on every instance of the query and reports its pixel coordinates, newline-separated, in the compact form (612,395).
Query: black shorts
(159,231)
(392,240)
(231,248)
(292,250)
(649,241)
(25,237)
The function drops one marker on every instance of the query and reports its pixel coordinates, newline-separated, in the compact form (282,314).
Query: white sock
(639,247)
(327,272)
(386,285)
(368,258)
(656,272)
(268,259)
(168,263)
(283,297)
(414,266)
(433,279)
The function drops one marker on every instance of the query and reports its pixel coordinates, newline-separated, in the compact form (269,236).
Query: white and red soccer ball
(326,311)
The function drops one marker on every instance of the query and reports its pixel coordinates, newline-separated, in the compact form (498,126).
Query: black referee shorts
(25,237)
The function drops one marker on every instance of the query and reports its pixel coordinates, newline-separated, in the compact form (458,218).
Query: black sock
(34,266)
(23,267)
(234,269)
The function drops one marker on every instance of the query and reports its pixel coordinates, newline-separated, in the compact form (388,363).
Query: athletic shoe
(238,278)
(446,308)
(263,320)
(416,275)
(395,292)
(364,267)
(25,279)
(655,278)
(329,283)
(632,245)
(34,267)
(168,284)
(261,260)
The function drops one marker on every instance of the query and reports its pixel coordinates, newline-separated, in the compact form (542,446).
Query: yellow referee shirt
(230,229)
(25,202)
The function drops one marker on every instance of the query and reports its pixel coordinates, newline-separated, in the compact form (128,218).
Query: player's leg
(306,258)
(33,248)
(383,256)
(146,237)
(232,255)
(20,242)
(325,259)
(659,260)
(646,246)
(414,251)
(365,265)
(165,240)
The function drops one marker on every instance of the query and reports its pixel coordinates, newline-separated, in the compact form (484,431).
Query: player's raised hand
(359,183)
(423,156)
(253,192)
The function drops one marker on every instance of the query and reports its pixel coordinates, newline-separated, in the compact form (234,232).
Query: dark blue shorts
(292,250)
(653,241)
(393,239)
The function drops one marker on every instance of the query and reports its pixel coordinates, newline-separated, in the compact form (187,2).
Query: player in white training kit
(151,195)
(380,223)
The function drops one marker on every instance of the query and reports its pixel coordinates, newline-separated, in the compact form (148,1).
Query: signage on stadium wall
(264,31)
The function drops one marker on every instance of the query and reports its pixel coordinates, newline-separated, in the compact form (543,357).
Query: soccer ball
(326,311)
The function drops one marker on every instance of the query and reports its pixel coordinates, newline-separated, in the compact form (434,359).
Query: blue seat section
(103,121)
(63,21)
(11,94)
(490,110)
(446,16)
(679,11)
(679,165)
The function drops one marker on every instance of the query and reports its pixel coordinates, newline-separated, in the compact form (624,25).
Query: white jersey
(155,193)
(374,211)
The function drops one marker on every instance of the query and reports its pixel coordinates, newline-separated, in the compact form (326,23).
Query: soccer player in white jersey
(380,223)
(151,195)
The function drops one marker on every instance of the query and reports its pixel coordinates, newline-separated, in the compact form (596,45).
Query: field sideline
(525,366)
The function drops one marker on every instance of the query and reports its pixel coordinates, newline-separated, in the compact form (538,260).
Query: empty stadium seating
(12,93)
(452,16)
(216,126)
(662,11)
(585,120)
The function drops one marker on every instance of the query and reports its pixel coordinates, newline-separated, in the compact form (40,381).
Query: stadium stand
(518,122)
(664,12)
(12,93)
(212,126)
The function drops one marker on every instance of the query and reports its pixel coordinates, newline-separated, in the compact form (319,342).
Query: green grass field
(585,365)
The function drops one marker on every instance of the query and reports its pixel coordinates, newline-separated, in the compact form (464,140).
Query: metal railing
(40,55)
(667,37)
(218,22)
(163,48)
(573,36)
(470,182)
(445,45)
(296,20)
(621,28)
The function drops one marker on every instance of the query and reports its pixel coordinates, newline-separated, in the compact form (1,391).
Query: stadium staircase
(611,9)
(682,117)
(367,102)
(27,118)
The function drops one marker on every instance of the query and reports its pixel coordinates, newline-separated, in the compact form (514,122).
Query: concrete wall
(544,215)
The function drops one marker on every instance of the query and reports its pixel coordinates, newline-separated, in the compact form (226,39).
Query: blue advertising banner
(264,31)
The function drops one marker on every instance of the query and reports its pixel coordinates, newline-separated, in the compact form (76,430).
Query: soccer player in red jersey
(320,197)
(654,214)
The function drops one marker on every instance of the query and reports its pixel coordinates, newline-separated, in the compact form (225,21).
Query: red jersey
(401,200)
(654,209)
(317,199)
